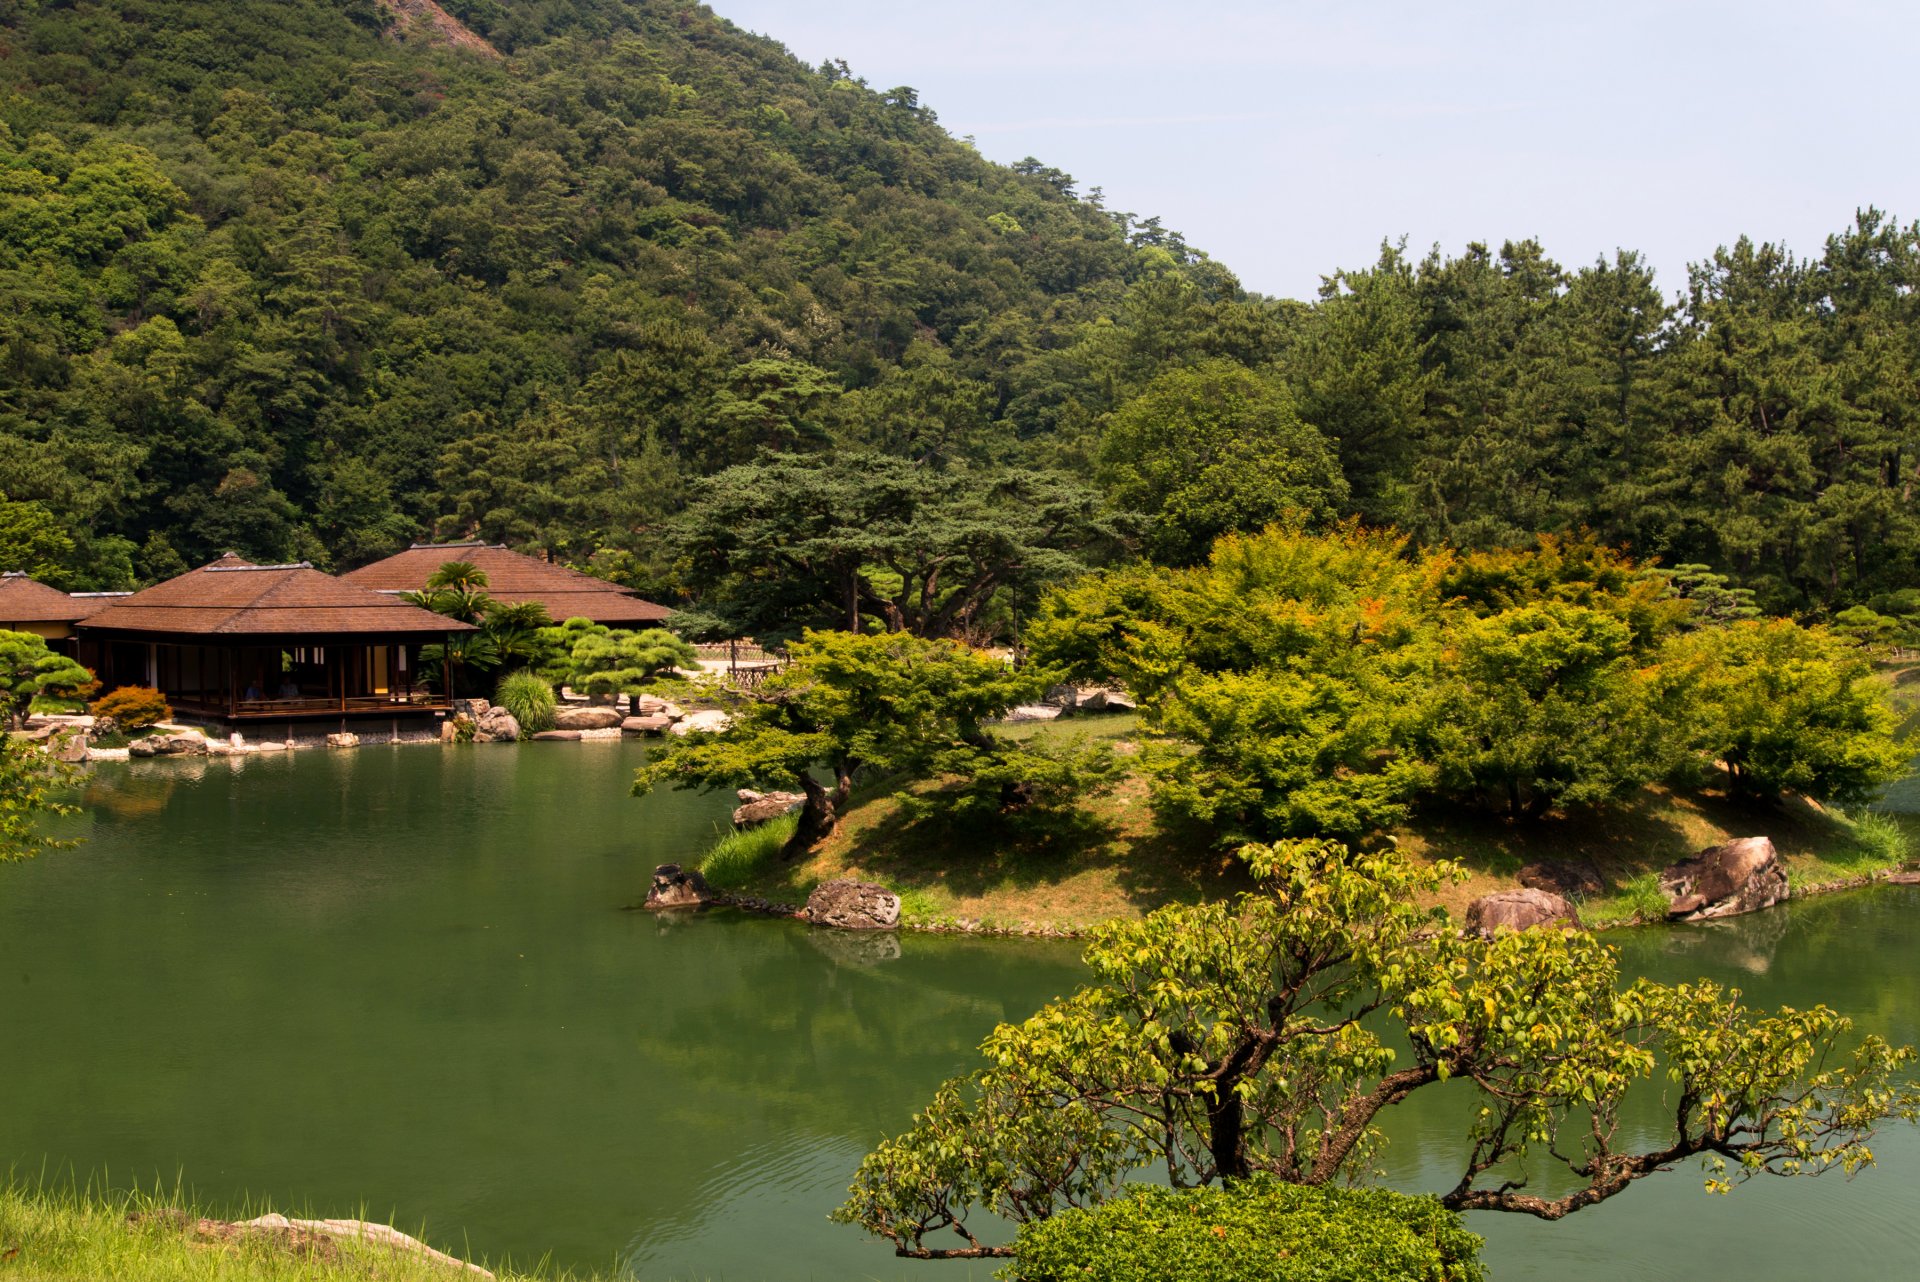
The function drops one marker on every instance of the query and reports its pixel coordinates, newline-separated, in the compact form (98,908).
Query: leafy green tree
(1790,709)
(34,543)
(607,661)
(1211,449)
(894,704)
(31,785)
(1269,1036)
(1714,599)
(839,539)
(1545,704)
(28,669)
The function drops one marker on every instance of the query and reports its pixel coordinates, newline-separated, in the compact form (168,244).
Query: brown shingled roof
(232,598)
(513,578)
(27,600)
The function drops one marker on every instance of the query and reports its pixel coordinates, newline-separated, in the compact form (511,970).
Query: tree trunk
(821,813)
(1226,1124)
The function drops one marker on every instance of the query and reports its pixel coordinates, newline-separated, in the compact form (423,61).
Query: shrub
(529,698)
(133,707)
(740,856)
(1253,1231)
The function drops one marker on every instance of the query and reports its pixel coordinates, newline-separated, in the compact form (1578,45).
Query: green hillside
(294,279)
(310,279)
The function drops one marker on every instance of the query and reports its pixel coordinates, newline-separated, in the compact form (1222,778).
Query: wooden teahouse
(513,578)
(237,642)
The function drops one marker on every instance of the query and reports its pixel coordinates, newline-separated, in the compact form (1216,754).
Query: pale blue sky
(1287,139)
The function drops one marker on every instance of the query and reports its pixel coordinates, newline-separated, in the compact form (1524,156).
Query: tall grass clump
(529,698)
(740,857)
(1880,838)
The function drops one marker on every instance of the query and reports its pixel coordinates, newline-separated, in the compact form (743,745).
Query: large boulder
(179,743)
(557,736)
(587,718)
(496,725)
(757,808)
(677,887)
(653,723)
(853,905)
(1742,876)
(1518,910)
(708,721)
(70,748)
(345,739)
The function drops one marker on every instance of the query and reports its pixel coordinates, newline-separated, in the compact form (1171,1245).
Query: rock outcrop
(1518,910)
(853,905)
(70,748)
(575,717)
(756,808)
(1741,876)
(345,739)
(677,887)
(496,725)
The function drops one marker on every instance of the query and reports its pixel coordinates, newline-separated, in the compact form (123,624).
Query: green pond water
(401,980)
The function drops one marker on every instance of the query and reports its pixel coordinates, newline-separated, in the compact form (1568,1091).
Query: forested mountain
(310,279)
(295,279)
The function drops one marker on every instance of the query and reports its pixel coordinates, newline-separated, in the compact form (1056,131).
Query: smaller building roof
(27,600)
(232,598)
(513,577)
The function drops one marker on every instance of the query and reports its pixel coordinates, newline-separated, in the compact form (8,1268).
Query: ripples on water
(401,979)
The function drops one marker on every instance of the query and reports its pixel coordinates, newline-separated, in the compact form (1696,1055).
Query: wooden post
(446,666)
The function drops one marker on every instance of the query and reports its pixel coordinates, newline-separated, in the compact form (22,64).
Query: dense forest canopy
(311,279)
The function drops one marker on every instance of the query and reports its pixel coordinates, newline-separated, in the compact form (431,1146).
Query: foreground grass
(1119,860)
(86,1236)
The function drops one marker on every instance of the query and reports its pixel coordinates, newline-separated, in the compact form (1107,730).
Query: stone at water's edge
(70,748)
(1518,910)
(651,724)
(496,725)
(346,739)
(183,743)
(561,736)
(853,905)
(677,887)
(757,808)
(1742,876)
(588,718)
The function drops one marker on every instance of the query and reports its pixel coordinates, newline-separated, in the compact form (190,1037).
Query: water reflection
(400,978)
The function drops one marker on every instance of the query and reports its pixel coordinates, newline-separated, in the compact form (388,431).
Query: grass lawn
(1122,861)
(85,1236)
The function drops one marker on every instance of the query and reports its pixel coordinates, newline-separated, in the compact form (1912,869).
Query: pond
(403,980)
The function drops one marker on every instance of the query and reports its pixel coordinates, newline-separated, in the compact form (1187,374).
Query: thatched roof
(232,598)
(513,578)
